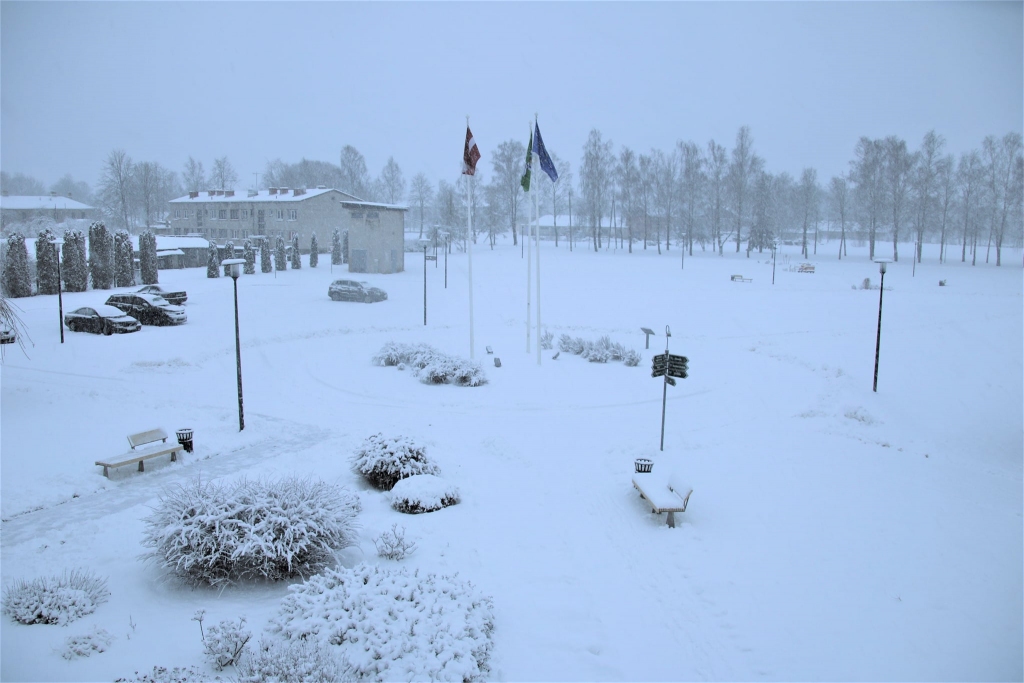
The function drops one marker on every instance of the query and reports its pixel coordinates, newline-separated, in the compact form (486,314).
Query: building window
(371,214)
(234,214)
(222,214)
(293,214)
(245,214)
(358,215)
(280,214)
(177,213)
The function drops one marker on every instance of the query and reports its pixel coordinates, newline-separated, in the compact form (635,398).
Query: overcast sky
(256,81)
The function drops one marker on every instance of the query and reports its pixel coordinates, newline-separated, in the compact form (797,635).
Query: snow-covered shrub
(600,351)
(212,261)
(296,254)
(547,340)
(385,460)
(265,265)
(280,254)
(631,358)
(224,643)
(215,534)
(569,344)
(148,264)
(249,254)
(59,599)
(393,624)
(161,674)
(15,279)
(393,545)
(289,661)
(98,640)
(336,248)
(423,493)
(596,353)
(431,365)
(314,252)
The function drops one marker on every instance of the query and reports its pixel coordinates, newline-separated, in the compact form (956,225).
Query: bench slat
(139,457)
(150,436)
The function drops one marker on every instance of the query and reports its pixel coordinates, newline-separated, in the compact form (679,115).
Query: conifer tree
(124,259)
(296,254)
(46,262)
(213,261)
(336,247)
(16,280)
(250,257)
(101,256)
(314,249)
(265,264)
(229,251)
(147,258)
(280,262)
(73,268)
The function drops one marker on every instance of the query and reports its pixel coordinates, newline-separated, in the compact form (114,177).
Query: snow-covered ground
(833,532)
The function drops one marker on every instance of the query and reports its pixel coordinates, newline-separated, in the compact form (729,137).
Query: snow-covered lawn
(833,532)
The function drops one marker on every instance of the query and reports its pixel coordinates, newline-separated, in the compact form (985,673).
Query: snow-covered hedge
(423,493)
(161,674)
(213,534)
(600,351)
(86,644)
(384,460)
(290,661)
(431,365)
(393,624)
(59,599)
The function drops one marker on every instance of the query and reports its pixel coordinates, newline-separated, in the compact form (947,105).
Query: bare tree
(898,166)
(666,188)
(808,202)
(645,191)
(392,183)
(421,195)
(193,176)
(717,170)
(118,188)
(743,167)
(946,179)
(20,185)
(72,189)
(691,185)
(354,176)
(555,194)
(839,192)
(866,174)
(155,186)
(924,181)
(596,181)
(223,175)
(627,178)
(506,191)
(969,174)
(1001,158)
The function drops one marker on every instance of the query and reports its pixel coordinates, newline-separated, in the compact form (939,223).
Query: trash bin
(644,465)
(185,439)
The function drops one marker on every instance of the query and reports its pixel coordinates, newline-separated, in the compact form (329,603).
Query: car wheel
(106,329)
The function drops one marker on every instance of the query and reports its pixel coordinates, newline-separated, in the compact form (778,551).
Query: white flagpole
(469,251)
(529,256)
(536,213)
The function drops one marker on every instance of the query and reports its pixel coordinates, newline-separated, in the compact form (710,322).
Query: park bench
(805,268)
(663,494)
(740,278)
(140,456)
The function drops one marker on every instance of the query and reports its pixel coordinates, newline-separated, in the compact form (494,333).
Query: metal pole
(878,337)
(424,284)
(238,360)
(447,241)
(664,397)
(60,298)
(773,264)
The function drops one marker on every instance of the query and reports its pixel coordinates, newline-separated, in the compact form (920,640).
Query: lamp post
(664,389)
(878,338)
(425,242)
(775,247)
(234,266)
(60,299)
(447,247)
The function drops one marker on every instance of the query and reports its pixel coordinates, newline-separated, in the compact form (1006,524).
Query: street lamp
(447,247)
(775,247)
(425,242)
(878,338)
(234,268)
(57,243)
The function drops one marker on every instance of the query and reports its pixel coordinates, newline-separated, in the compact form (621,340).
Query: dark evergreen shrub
(280,260)
(296,254)
(148,265)
(336,247)
(344,247)
(423,493)
(314,251)
(124,259)
(101,256)
(250,257)
(46,262)
(265,265)
(386,460)
(213,261)
(16,279)
(73,265)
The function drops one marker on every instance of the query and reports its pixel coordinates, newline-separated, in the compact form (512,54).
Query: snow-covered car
(149,309)
(176,298)
(7,335)
(101,320)
(354,290)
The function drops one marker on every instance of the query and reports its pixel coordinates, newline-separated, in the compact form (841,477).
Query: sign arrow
(670,381)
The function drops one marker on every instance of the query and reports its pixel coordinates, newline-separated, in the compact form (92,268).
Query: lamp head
(233,267)
(881,264)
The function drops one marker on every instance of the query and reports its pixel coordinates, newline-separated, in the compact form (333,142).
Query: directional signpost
(668,366)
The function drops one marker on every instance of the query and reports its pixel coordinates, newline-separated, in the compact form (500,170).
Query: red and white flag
(470,155)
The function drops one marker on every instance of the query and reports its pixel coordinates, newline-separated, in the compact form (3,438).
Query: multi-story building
(22,209)
(375,231)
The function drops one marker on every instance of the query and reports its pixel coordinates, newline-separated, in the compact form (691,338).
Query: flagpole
(526,246)
(536,213)
(469,251)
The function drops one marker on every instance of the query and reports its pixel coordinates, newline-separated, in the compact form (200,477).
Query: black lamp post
(234,267)
(878,338)
(60,299)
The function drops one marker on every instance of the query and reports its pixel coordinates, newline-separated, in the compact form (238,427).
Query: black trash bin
(644,465)
(185,439)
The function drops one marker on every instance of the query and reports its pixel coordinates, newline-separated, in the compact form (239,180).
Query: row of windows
(234,214)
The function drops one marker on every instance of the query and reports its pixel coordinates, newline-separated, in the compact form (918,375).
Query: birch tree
(897,167)
(421,195)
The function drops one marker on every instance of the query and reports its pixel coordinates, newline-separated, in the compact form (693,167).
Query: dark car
(7,335)
(149,309)
(101,320)
(353,290)
(176,298)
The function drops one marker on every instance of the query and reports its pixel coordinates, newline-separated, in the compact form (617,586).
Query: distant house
(22,209)
(178,251)
(375,231)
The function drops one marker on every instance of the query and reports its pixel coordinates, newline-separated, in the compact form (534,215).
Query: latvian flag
(470,155)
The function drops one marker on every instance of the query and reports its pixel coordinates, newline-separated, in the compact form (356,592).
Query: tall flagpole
(469,251)
(536,213)
(529,254)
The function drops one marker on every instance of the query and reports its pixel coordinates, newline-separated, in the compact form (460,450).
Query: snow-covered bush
(296,254)
(546,339)
(98,640)
(631,358)
(161,674)
(265,265)
(596,353)
(600,351)
(59,599)
(385,460)
(215,534)
(336,248)
(280,260)
(224,643)
(314,252)
(289,661)
(393,624)
(249,254)
(212,261)
(16,280)
(393,545)
(148,263)
(423,493)
(569,344)
(431,365)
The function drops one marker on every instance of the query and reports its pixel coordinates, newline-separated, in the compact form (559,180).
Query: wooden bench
(140,456)
(663,494)
(805,268)
(740,278)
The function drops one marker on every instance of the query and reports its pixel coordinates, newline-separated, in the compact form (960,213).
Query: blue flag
(546,164)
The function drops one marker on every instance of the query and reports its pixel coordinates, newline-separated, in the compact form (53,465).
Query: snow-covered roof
(168,242)
(397,207)
(169,252)
(284,195)
(31,202)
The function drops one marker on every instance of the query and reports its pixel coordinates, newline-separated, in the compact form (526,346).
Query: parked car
(7,335)
(101,320)
(353,290)
(149,309)
(177,298)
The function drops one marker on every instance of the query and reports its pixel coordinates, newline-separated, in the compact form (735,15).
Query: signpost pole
(664,388)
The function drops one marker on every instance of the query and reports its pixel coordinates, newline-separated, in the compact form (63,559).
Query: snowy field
(833,533)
